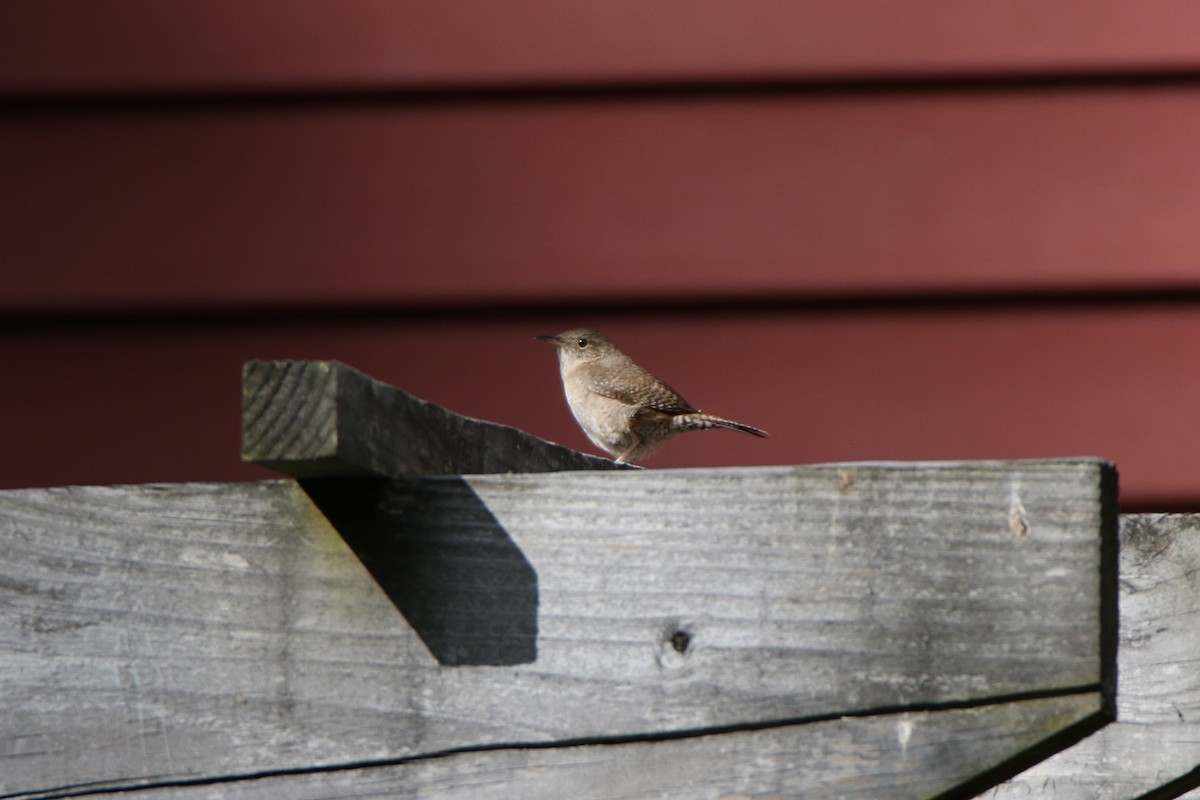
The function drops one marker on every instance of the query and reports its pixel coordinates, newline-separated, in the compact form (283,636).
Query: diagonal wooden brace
(312,419)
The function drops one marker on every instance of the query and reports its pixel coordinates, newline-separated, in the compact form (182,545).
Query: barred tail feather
(699,421)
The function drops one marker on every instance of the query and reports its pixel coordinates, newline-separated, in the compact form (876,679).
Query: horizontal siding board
(217,45)
(163,402)
(706,197)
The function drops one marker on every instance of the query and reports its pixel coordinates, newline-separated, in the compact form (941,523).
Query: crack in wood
(1006,768)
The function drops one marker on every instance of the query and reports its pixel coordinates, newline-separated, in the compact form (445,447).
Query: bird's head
(580,345)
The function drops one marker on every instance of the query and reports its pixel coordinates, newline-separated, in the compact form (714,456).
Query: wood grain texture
(1156,739)
(191,631)
(889,757)
(221,45)
(322,418)
(602,201)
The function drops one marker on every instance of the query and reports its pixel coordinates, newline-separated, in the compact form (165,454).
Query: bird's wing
(636,386)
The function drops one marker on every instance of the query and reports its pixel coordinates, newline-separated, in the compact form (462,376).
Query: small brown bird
(621,407)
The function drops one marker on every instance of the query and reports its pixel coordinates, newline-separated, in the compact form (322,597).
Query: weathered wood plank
(197,631)
(323,418)
(1156,739)
(892,756)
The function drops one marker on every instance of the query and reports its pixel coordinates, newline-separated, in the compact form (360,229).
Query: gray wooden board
(1156,739)
(184,631)
(323,418)
(901,756)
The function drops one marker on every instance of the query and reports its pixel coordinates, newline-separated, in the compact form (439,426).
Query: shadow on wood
(883,630)
(459,579)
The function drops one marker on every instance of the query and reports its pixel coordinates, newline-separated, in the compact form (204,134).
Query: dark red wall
(880,230)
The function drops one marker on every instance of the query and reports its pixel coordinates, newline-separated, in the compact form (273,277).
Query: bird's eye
(582,343)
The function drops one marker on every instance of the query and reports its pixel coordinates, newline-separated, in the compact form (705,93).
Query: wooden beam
(190,632)
(1153,750)
(322,418)
(901,756)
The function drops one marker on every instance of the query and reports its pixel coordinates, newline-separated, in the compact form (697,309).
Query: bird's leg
(632,446)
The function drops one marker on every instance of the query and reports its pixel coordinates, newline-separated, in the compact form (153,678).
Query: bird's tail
(698,420)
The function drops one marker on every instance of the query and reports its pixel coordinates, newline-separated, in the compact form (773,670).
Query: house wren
(621,407)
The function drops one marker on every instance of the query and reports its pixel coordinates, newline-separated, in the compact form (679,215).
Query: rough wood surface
(1155,742)
(323,418)
(182,632)
(891,756)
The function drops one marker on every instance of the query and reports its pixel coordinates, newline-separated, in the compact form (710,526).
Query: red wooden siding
(683,197)
(124,46)
(168,172)
(162,403)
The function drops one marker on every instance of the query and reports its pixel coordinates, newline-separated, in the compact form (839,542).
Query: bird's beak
(549,337)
